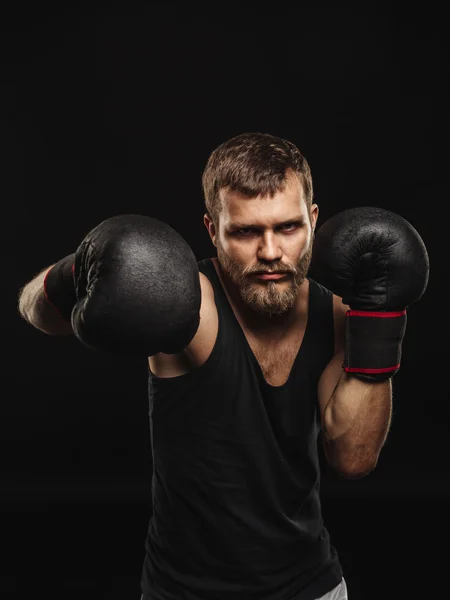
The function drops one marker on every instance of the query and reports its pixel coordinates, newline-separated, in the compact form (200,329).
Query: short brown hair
(253,164)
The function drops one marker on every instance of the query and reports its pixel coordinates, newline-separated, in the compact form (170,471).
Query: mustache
(271,271)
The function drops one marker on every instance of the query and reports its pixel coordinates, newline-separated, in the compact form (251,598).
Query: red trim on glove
(386,370)
(381,315)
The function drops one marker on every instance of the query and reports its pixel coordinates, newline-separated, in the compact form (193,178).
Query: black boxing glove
(137,286)
(59,286)
(377,262)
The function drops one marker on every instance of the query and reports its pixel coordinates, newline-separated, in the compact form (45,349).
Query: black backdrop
(114,113)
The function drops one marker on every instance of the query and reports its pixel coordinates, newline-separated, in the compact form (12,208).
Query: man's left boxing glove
(137,288)
(377,262)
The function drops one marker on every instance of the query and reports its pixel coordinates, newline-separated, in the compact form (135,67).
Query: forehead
(284,205)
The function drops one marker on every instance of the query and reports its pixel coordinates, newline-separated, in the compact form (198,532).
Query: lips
(274,275)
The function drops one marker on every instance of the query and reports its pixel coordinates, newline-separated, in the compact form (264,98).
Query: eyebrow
(236,225)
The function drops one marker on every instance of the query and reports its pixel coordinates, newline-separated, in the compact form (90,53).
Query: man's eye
(248,231)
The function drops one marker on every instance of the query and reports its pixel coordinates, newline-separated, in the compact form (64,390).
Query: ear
(210,227)
(314,215)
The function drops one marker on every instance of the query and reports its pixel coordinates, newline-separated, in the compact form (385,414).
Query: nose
(269,250)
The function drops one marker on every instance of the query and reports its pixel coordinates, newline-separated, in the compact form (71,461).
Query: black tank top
(235,487)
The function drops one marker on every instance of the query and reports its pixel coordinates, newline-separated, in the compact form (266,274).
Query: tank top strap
(321,322)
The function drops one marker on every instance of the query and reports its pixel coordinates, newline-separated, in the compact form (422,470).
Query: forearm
(355,424)
(34,307)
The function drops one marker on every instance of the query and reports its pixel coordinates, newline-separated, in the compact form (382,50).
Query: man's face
(265,235)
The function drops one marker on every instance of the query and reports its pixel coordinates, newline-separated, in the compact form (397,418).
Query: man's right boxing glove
(378,263)
(137,287)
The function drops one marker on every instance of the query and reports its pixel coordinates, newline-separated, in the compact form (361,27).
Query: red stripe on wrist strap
(369,313)
(357,370)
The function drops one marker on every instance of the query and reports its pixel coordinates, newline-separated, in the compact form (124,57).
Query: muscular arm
(37,311)
(355,414)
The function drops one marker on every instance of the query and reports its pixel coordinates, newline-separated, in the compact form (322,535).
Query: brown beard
(266,299)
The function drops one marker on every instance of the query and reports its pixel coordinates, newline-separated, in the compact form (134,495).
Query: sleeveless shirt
(236,476)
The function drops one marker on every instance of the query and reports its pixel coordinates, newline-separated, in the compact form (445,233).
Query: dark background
(112,113)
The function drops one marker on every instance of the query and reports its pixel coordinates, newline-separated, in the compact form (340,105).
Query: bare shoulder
(206,286)
(203,342)
(200,347)
(339,310)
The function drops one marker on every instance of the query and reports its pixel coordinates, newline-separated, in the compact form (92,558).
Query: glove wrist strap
(373,343)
